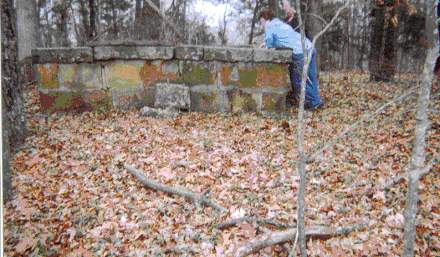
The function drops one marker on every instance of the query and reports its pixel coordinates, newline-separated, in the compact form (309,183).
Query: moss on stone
(196,74)
(243,102)
(248,77)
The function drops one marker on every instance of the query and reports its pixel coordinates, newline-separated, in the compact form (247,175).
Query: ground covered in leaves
(73,196)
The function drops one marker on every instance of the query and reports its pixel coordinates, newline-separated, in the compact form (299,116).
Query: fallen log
(319,232)
(235,222)
(195,197)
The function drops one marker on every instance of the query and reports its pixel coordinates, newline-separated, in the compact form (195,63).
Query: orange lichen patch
(123,75)
(272,76)
(225,75)
(48,75)
(151,73)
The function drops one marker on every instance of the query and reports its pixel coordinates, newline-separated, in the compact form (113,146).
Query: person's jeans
(312,92)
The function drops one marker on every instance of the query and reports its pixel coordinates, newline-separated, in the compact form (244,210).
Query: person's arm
(269,37)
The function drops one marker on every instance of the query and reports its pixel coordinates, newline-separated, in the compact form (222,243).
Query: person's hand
(263,45)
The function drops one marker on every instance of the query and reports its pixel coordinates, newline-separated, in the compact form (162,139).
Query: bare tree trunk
(417,166)
(27,34)
(13,119)
(92,19)
(300,123)
(254,19)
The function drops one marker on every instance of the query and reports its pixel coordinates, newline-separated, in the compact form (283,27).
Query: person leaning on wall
(278,34)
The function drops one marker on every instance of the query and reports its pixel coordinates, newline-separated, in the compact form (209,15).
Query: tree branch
(320,232)
(197,198)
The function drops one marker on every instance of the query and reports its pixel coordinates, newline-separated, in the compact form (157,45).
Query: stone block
(80,76)
(159,113)
(272,55)
(194,53)
(210,98)
(198,73)
(133,52)
(64,101)
(129,98)
(227,54)
(47,75)
(246,101)
(274,101)
(62,55)
(123,74)
(172,95)
(153,72)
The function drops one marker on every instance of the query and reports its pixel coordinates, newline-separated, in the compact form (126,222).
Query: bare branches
(197,198)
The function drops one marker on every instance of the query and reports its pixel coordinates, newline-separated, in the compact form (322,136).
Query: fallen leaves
(73,197)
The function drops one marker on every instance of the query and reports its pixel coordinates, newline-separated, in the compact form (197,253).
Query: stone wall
(195,78)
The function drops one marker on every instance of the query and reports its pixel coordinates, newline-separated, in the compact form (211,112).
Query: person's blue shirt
(281,35)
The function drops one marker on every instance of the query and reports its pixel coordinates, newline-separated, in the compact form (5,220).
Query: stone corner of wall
(62,55)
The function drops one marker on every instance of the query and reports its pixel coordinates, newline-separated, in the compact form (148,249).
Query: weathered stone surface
(272,55)
(64,101)
(133,52)
(172,95)
(228,54)
(123,74)
(79,76)
(198,73)
(209,98)
(47,75)
(153,72)
(246,101)
(159,113)
(129,98)
(263,75)
(194,53)
(62,55)
(274,102)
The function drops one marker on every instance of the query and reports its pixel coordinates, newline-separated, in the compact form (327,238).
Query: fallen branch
(275,238)
(235,222)
(195,197)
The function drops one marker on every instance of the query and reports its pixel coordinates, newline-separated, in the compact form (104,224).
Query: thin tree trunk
(254,19)
(418,156)
(92,19)
(301,167)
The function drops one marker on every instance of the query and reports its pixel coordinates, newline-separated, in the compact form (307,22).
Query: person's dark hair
(266,14)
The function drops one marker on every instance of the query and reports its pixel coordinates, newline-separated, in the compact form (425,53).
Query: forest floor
(73,197)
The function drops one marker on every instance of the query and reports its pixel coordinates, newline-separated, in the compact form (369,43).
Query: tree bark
(13,130)
(418,156)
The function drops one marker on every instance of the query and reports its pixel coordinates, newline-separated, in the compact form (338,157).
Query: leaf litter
(73,197)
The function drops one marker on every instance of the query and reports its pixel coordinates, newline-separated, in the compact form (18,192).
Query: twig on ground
(275,238)
(195,197)
(235,222)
